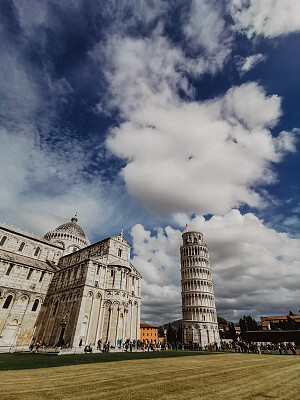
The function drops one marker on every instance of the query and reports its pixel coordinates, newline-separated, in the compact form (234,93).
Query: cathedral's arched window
(22,245)
(3,240)
(55,307)
(37,251)
(7,301)
(120,253)
(35,305)
(29,273)
(42,276)
(9,269)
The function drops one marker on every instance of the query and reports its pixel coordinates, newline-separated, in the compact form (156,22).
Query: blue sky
(153,114)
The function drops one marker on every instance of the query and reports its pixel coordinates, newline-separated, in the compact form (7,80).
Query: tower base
(204,334)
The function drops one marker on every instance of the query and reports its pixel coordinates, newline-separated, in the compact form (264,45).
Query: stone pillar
(124,324)
(100,322)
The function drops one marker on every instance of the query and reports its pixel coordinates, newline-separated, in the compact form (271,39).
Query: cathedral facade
(62,290)
(199,316)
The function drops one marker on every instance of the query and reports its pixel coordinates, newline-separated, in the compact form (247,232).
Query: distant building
(237,330)
(226,330)
(278,322)
(199,316)
(61,290)
(149,333)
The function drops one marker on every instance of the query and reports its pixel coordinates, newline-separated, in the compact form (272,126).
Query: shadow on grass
(17,361)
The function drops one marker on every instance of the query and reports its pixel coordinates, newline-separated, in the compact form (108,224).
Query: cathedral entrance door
(61,338)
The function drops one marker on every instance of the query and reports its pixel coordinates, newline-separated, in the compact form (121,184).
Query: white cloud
(269,18)
(206,33)
(249,105)
(156,257)
(245,64)
(141,71)
(183,157)
(286,141)
(256,270)
(154,69)
(127,14)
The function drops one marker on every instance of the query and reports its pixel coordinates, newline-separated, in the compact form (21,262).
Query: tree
(222,321)
(171,334)
(251,323)
(243,326)
(179,334)
(232,332)
(160,332)
(291,323)
(291,313)
(247,324)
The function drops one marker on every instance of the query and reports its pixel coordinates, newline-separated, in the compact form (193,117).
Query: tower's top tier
(192,237)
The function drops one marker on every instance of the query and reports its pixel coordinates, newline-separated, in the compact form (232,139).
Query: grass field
(15,361)
(221,376)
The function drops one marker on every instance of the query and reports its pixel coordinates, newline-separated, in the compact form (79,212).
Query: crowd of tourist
(260,347)
(239,346)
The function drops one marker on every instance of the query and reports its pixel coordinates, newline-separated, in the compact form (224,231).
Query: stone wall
(22,292)
(24,244)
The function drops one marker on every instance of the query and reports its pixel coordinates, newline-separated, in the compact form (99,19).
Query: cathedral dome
(72,227)
(70,236)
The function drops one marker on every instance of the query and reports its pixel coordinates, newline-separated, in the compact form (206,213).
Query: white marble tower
(199,316)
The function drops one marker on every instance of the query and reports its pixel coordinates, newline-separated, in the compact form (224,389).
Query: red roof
(148,326)
(282,317)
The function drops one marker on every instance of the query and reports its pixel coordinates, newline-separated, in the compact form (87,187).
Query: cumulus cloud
(156,257)
(255,269)
(286,141)
(181,155)
(269,18)
(245,64)
(184,156)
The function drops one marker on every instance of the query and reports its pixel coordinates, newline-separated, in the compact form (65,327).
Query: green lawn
(32,361)
(207,376)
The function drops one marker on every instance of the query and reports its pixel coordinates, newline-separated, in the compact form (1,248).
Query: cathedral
(63,291)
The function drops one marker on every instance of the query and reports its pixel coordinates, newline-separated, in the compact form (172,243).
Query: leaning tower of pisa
(199,316)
